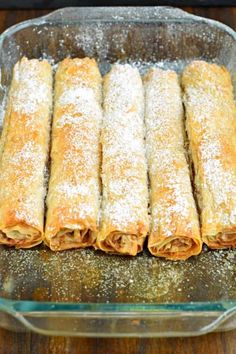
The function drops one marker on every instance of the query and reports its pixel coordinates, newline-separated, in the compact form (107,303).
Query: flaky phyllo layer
(74,186)
(124,218)
(174,221)
(24,153)
(211,127)
(105,143)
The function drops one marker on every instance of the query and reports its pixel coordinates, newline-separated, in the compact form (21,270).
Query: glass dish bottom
(88,293)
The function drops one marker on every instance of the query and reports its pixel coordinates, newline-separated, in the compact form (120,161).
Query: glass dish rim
(225,308)
(87,14)
(25,311)
(112,307)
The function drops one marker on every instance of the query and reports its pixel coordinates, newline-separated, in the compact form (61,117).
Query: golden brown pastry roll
(211,127)
(174,221)
(74,186)
(24,147)
(124,219)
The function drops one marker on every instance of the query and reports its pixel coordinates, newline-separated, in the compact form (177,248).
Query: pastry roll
(24,153)
(211,128)
(124,220)
(174,221)
(74,186)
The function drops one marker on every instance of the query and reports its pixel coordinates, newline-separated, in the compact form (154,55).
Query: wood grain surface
(25,343)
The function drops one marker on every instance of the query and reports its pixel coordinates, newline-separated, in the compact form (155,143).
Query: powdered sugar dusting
(76,134)
(172,203)
(22,182)
(124,165)
(93,277)
(211,121)
(25,162)
(215,175)
(164,110)
(172,200)
(77,95)
(29,151)
(26,208)
(33,91)
(70,190)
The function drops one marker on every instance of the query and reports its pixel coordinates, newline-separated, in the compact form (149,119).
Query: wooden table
(24,343)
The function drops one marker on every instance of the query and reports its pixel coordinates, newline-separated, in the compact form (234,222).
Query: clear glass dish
(87,293)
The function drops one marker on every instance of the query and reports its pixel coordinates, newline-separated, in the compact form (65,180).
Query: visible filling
(68,238)
(20,236)
(227,239)
(222,239)
(121,243)
(176,247)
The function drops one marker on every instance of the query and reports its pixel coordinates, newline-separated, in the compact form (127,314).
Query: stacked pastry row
(107,141)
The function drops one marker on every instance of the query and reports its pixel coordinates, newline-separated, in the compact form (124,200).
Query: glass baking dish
(88,293)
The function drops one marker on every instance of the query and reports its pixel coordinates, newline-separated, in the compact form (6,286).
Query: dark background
(52,4)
